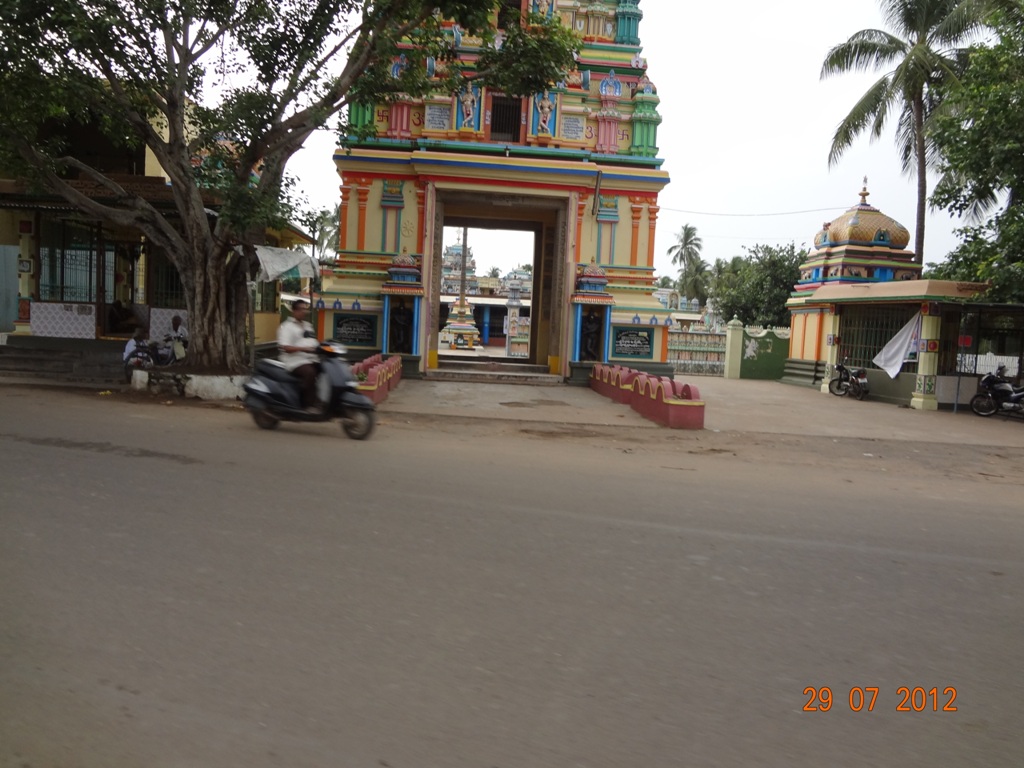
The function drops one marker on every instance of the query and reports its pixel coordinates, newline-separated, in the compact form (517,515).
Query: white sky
(746,129)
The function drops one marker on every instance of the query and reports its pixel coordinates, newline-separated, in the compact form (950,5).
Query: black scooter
(274,395)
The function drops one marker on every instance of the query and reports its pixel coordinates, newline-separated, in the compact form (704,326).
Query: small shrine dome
(863,224)
(593,270)
(403,260)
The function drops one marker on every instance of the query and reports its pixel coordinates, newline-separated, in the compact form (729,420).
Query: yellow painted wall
(266,326)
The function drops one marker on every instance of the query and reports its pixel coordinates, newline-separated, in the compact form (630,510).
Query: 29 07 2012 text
(866,699)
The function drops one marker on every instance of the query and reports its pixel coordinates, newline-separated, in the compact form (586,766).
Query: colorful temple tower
(575,164)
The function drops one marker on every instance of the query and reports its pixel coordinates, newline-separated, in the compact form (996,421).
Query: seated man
(176,340)
(296,341)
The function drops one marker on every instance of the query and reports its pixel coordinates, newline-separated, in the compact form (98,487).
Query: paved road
(181,589)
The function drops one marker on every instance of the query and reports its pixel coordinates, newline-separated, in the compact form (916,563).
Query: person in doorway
(296,341)
(121,319)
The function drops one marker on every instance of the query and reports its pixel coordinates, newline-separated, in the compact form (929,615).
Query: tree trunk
(216,296)
(922,177)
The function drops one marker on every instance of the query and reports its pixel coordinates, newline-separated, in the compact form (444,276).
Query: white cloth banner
(275,262)
(902,346)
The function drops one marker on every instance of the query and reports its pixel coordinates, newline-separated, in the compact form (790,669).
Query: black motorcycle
(847,382)
(997,395)
(149,354)
(274,394)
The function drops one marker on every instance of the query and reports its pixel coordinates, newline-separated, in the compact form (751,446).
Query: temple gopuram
(576,165)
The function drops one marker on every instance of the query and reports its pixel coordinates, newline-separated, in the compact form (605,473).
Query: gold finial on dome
(864,192)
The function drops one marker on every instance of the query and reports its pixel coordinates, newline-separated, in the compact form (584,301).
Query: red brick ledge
(658,398)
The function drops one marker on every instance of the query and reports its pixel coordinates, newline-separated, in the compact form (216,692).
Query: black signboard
(356,330)
(633,341)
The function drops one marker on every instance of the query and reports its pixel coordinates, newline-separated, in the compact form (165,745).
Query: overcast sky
(746,130)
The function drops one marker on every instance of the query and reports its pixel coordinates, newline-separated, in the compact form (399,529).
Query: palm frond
(869,49)
(863,114)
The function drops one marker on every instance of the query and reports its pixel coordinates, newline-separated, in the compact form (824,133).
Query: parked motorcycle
(997,395)
(147,355)
(274,394)
(847,382)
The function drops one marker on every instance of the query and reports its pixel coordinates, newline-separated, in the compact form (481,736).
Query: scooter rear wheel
(983,405)
(358,424)
(838,387)
(265,419)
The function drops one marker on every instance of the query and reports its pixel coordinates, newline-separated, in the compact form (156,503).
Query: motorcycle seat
(275,370)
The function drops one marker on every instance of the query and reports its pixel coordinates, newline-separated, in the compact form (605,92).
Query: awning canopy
(277,263)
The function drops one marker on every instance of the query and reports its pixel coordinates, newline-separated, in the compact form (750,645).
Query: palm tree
(693,271)
(924,54)
(688,244)
(494,272)
(693,279)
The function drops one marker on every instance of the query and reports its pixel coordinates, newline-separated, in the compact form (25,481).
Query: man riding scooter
(296,342)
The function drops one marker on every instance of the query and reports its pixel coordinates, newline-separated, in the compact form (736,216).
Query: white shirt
(291,333)
(129,348)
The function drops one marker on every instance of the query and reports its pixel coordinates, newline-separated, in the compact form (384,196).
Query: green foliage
(982,145)
(223,93)
(755,287)
(665,282)
(920,57)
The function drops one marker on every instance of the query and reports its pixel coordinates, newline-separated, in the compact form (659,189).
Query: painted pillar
(652,223)
(385,346)
(924,398)
(421,193)
(830,326)
(578,330)
(363,193)
(636,209)
(607,335)
(581,211)
(486,334)
(416,325)
(733,348)
(346,197)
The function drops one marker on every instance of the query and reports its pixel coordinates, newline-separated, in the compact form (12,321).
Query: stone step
(490,366)
(43,365)
(494,377)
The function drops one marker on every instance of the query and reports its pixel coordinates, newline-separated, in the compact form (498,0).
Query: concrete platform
(765,407)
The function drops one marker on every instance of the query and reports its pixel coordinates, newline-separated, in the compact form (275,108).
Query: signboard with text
(633,341)
(356,330)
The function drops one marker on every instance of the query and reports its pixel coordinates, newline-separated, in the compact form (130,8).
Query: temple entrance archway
(546,219)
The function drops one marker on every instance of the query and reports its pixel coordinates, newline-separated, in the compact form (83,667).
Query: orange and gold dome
(864,224)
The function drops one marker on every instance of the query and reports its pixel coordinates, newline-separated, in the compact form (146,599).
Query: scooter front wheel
(358,423)
(265,419)
(983,405)
(838,387)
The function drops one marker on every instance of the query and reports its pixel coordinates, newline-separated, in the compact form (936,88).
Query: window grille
(996,337)
(266,297)
(166,290)
(506,117)
(68,255)
(864,330)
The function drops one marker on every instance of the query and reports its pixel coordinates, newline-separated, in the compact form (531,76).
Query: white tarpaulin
(902,346)
(276,262)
